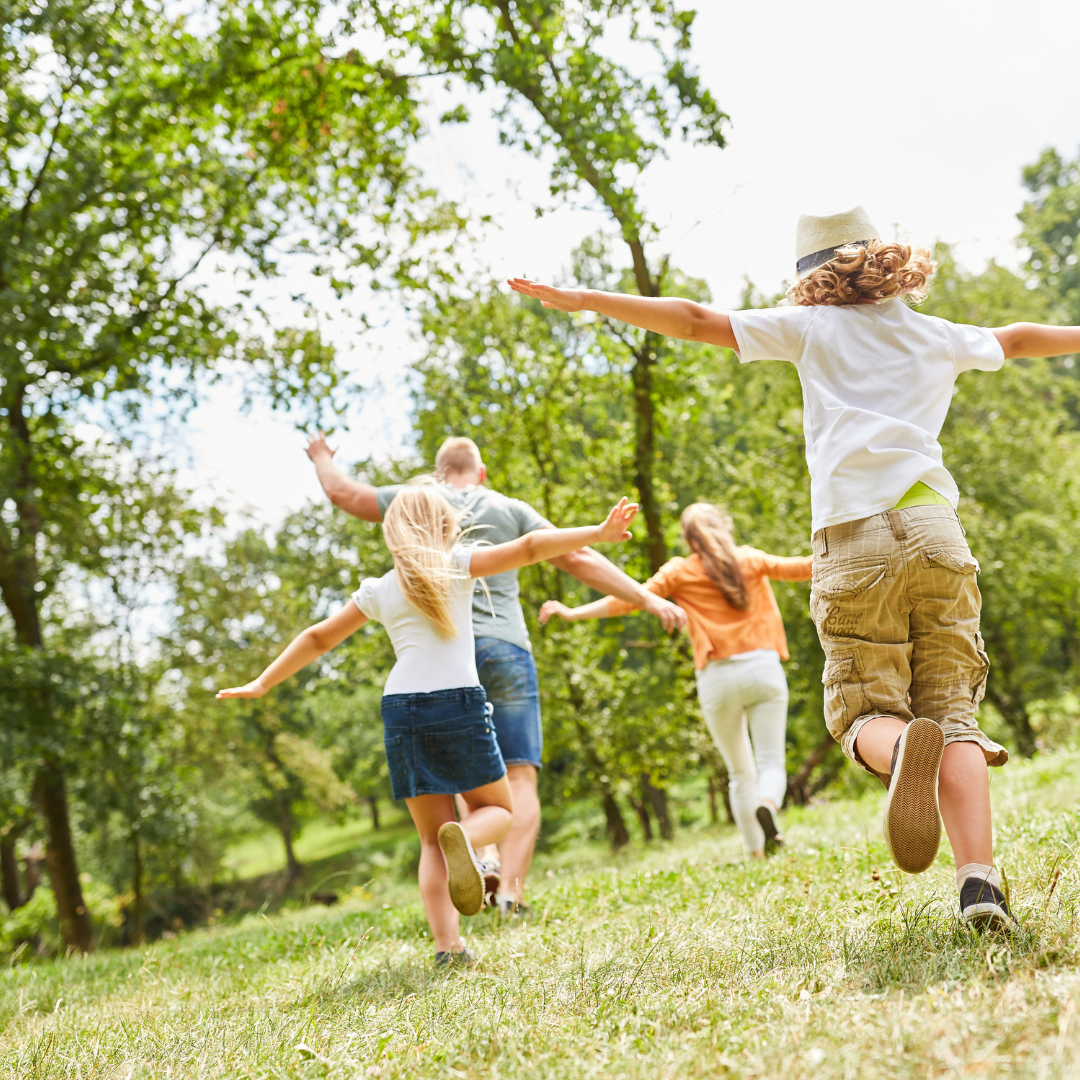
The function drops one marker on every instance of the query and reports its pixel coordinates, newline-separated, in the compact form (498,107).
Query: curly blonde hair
(860,275)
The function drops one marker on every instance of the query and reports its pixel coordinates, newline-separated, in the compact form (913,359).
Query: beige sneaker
(912,822)
(464,878)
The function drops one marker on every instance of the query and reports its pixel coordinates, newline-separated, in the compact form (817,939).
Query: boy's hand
(560,299)
(617,522)
(553,607)
(255,688)
(317,448)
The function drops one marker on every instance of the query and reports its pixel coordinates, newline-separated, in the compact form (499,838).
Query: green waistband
(921,495)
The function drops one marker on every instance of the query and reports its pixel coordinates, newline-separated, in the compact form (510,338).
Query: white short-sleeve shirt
(877,380)
(426,661)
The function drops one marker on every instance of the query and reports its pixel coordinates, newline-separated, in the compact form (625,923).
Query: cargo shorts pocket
(851,579)
(958,560)
(838,679)
(978,681)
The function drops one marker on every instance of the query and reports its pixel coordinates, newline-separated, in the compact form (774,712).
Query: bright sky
(925,114)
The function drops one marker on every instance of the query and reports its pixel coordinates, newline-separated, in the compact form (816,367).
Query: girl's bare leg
(429,813)
(490,813)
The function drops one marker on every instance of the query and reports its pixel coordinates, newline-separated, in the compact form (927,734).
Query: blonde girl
(438,732)
(738,640)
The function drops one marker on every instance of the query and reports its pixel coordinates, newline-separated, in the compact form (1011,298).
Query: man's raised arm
(592,569)
(345,493)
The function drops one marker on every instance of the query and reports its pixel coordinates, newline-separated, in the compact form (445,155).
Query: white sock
(505,898)
(985,873)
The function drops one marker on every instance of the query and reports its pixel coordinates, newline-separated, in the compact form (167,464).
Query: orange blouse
(717,630)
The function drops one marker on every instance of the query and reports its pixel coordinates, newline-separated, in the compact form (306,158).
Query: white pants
(747,699)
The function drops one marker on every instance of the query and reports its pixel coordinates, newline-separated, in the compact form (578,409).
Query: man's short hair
(457,455)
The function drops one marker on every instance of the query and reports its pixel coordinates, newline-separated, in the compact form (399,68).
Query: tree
(1051,220)
(599,124)
(136,146)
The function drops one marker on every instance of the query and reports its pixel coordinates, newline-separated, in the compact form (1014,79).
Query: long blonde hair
(708,535)
(420,528)
(860,275)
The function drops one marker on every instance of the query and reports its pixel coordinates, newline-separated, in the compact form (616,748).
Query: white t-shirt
(877,380)
(426,661)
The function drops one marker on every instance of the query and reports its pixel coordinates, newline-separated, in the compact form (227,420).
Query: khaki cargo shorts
(896,606)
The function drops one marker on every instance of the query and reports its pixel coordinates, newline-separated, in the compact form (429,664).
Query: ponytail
(708,534)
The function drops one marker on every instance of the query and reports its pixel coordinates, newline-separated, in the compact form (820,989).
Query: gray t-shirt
(496,519)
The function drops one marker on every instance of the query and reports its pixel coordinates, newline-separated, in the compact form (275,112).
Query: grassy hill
(664,961)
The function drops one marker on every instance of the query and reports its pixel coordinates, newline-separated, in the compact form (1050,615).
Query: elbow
(317,639)
(696,321)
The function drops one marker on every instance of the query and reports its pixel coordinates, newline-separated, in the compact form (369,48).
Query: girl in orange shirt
(738,641)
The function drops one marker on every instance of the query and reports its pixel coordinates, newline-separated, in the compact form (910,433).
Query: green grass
(667,961)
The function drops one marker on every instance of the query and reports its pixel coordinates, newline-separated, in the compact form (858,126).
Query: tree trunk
(373,804)
(658,800)
(138,934)
(714,817)
(9,869)
(286,826)
(50,792)
(642,812)
(799,788)
(1016,716)
(616,826)
(641,376)
(723,787)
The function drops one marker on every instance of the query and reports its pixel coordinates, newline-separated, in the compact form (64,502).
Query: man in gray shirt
(503,652)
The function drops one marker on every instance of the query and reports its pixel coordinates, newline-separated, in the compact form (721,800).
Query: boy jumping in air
(894,596)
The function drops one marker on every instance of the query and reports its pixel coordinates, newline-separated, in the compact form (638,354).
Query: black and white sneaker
(984,906)
(464,958)
(509,908)
(774,841)
(464,878)
(911,822)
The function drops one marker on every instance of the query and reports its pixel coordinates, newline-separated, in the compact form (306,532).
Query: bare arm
(545,544)
(345,493)
(592,569)
(598,609)
(665,315)
(309,645)
(1034,340)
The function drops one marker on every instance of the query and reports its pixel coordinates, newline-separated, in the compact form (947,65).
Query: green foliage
(1051,221)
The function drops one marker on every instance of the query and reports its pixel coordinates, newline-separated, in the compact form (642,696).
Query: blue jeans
(508,675)
(440,743)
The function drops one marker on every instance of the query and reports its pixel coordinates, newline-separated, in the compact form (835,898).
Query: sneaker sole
(988,918)
(464,880)
(912,822)
(773,840)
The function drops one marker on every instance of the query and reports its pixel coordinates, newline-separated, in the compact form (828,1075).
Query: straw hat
(817,238)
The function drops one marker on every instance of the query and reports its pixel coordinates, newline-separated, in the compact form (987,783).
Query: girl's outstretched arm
(305,647)
(598,609)
(1034,340)
(665,315)
(544,544)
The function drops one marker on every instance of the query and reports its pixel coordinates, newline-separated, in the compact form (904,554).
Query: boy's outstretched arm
(1035,339)
(309,645)
(665,315)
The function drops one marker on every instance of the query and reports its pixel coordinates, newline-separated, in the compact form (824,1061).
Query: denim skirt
(440,743)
